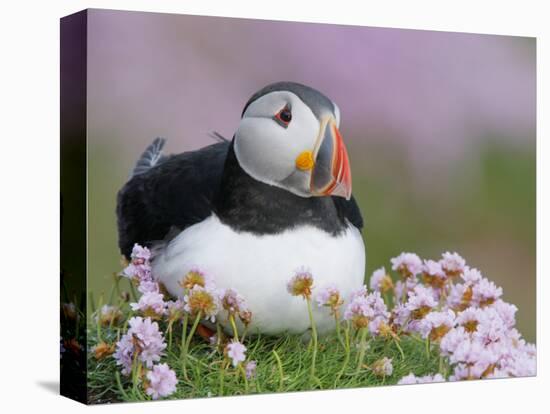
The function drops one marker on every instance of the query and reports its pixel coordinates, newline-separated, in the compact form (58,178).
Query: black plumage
(184,189)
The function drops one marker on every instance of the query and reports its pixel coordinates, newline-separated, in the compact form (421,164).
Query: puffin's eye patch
(284,116)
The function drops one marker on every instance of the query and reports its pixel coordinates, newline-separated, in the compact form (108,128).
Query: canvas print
(257,206)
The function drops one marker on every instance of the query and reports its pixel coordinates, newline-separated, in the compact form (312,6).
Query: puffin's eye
(284,116)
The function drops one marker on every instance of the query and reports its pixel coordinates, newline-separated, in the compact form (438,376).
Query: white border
(29,128)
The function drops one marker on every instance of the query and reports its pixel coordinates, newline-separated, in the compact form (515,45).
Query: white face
(267,147)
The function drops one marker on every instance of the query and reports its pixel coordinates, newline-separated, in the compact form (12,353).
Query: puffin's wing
(350,210)
(168,193)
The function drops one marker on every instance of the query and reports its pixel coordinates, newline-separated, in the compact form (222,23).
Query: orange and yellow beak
(329,163)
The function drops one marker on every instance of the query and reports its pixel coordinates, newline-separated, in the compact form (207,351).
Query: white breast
(259,267)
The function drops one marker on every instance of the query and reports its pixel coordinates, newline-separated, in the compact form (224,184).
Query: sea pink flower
(139,268)
(433,274)
(452,263)
(143,337)
(174,310)
(196,277)
(452,340)
(250,369)
(485,292)
(402,288)
(202,300)
(382,367)
(408,264)
(140,254)
(327,295)
(471,276)
(108,315)
(421,301)
(301,284)
(470,318)
(147,286)
(380,281)
(413,379)
(362,291)
(161,381)
(437,324)
(506,311)
(232,302)
(364,309)
(236,351)
(150,304)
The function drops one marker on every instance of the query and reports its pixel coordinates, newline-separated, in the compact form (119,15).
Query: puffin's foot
(205,332)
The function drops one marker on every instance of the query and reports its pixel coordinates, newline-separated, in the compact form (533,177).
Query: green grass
(284,365)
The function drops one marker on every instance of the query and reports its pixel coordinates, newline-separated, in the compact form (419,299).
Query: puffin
(252,211)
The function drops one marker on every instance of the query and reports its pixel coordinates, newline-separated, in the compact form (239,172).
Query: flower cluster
(161,381)
(143,341)
(366,310)
(456,307)
(139,268)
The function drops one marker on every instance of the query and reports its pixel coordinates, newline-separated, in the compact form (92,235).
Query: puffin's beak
(331,174)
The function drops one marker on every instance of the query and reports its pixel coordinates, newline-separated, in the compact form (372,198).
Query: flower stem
(314,337)
(169,329)
(234,326)
(338,330)
(396,341)
(188,342)
(346,358)
(120,388)
(241,369)
(428,347)
(222,378)
(362,349)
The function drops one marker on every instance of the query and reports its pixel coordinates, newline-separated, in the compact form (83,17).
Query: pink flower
(236,351)
(147,286)
(408,264)
(250,369)
(382,367)
(232,302)
(413,379)
(486,292)
(402,288)
(506,311)
(454,338)
(325,295)
(470,318)
(452,263)
(143,337)
(362,291)
(174,310)
(381,281)
(150,304)
(301,284)
(471,276)
(364,309)
(139,268)
(421,301)
(140,254)
(437,324)
(203,300)
(433,274)
(161,381)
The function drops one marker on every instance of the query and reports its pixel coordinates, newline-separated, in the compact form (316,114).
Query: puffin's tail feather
(217,136)
(151,156)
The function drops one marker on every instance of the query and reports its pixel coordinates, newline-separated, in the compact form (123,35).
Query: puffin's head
(288,137)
